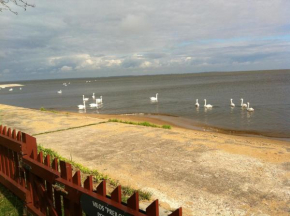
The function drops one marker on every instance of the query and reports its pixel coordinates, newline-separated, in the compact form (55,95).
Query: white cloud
(66,68)
(146,64)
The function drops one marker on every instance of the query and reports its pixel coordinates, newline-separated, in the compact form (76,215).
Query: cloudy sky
(68,38)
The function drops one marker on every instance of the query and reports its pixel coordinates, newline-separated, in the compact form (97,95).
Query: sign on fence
(93,206)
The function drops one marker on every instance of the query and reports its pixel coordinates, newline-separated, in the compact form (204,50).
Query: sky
(68,38)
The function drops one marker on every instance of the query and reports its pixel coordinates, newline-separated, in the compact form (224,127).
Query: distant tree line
(6,5)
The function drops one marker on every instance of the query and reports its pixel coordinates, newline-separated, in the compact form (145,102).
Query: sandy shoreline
(179,122)
(207,173)
(10,85)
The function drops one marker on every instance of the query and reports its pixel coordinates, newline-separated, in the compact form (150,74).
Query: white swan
(94,104)
(250,109)
(243,105)
(82,106)
(207,105)
(232,104)
(93,96)
(85,99)
(20,88)
(59,92)
(11,89)
(99,100)
(154,99)
(197,104)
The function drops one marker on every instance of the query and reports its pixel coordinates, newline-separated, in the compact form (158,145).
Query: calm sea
(267,91)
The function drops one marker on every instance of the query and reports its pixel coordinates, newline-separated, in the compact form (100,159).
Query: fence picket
(102,188)
(66,173)
(153,209)
(4,131)
(77,210)
(2,166)
(14,134)
(133,201)
(117,195)
(41,182)
(9,134)
(7,165)
(177,212)
(11,164)
(57,197)
(48,184)
(19,137)
(88,184)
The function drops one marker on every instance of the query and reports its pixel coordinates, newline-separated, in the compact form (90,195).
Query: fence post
(31,147)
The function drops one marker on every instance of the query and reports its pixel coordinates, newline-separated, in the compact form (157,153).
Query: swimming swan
(85,99)
(94,104)
(207,105)
(99,100)
(232,104)
(197,104)
(250,109)
(93,96)
(82,106)
(154,99)
(59,92)
(242,104)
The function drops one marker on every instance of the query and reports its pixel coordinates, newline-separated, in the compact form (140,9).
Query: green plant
(166,126)
(42,109)
(9,203)
(144,195)
(126,191)
(146,124)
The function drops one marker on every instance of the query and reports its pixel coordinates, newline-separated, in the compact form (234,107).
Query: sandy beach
(205,172)
(10,85)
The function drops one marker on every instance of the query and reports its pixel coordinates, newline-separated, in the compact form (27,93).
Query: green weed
(166,126)
(9,203)
(98,177)
(146,124)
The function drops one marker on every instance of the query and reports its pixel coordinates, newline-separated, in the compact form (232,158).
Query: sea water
(267,92)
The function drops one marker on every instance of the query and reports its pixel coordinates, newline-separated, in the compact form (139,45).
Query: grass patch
(42,109)
(9,203)
(166,126)
(97,176)
(45,110)
(146,124)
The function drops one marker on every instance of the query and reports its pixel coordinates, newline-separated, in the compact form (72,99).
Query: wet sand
(205,172)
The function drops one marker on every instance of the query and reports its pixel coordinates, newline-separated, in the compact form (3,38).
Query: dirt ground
(206,173)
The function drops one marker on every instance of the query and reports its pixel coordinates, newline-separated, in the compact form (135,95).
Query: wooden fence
(50,188)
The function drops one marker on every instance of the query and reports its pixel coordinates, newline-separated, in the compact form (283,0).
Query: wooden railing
(50,187)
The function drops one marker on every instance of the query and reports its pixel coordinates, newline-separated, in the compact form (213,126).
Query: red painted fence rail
(50,187)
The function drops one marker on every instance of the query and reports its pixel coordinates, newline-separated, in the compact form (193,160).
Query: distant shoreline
(10,85)
(160,74)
